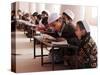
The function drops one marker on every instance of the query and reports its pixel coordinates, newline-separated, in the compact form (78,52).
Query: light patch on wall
(94,12)
(56,8)
(40,7)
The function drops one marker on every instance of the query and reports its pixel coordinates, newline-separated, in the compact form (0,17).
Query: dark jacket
(68,32)
(88,52)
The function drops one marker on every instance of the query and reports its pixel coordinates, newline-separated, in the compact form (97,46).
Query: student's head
(81,29)
(44,14)
(19,12)
(34,15)
(27,15)
(45,21)
(68,15)
(54,20)
(12,12)
(39,16)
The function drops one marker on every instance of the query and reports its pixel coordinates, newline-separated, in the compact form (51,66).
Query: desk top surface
(26,22)
(51,41)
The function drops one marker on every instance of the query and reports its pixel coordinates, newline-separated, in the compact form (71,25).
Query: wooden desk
(27,24)
(41,39)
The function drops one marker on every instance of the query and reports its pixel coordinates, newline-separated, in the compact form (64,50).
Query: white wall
(53,8)
(32,7)
(40,7)
(77,10)
(93,32)
(24,6)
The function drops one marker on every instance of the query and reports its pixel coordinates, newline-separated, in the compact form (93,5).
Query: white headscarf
(53,17)
(70,13)
(86,26)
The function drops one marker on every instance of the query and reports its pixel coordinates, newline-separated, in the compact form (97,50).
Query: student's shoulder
(92,42)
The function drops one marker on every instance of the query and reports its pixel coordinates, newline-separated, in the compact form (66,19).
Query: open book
(64,42)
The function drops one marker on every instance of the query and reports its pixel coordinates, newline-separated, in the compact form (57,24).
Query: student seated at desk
(88,48)
(54,24)
(26,17)
(63,27)
(87,53)
(33,20)
(37,21)
(34,17)
(44,17)
(68,29)
(43,23)
(68,32)
(53,27)
(19,14)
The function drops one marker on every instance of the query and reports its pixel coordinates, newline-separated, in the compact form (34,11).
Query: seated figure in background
(34,17)
(44,17)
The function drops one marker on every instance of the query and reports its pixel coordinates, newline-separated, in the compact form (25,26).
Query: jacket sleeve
(92,53)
